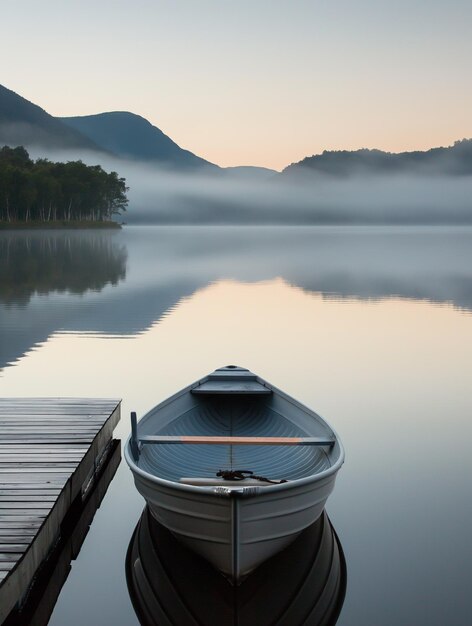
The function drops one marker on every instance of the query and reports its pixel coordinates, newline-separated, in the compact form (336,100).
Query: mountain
(249,172)
(120,133)
(453,160)
(131,136)
(25,123)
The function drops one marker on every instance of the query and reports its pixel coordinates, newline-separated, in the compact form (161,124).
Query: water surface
(370,327)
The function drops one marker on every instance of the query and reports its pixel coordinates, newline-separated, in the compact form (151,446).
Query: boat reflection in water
(303,585)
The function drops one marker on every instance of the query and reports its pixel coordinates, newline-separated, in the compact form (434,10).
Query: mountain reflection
(303,585)
(432,264)
(57,262)
(154,268)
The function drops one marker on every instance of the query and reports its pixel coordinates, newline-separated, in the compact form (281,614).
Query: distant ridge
(249,172)
(25,123)
(131,136)
(453,160)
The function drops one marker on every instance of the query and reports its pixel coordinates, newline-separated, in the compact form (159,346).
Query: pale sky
(251,82)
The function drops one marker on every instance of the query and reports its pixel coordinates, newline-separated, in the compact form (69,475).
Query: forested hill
(132,137)
(43,191)
(25,123)
(454,160)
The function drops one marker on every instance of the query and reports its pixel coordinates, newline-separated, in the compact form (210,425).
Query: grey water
(369,326)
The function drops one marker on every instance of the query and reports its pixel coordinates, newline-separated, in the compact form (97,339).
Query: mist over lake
(162,195)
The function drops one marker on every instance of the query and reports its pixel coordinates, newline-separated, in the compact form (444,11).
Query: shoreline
(59,225)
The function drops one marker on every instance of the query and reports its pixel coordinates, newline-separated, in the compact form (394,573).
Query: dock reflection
(37,607)
(303,585)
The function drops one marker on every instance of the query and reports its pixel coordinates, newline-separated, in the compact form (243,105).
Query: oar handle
(237,441)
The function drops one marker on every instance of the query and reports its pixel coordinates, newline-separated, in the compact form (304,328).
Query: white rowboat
(187,455)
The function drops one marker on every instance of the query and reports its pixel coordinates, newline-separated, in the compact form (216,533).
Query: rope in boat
(243,474)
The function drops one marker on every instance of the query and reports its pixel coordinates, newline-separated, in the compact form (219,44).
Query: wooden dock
(50,451)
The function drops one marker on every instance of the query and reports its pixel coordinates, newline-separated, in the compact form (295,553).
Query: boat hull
(302,585)
(237,529)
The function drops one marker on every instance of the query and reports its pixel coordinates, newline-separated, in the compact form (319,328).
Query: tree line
(45,191)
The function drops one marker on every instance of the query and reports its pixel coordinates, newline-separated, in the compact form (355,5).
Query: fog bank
(161,196)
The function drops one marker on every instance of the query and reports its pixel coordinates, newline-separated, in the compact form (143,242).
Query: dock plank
(49,448)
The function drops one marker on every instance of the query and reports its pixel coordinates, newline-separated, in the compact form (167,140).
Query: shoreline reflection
(121,284)
(72,262)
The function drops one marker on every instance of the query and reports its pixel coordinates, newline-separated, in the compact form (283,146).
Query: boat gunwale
(240,490)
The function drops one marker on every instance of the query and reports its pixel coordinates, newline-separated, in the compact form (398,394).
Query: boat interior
(232,415)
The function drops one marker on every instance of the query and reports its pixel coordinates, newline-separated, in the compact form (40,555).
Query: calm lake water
(370,327)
